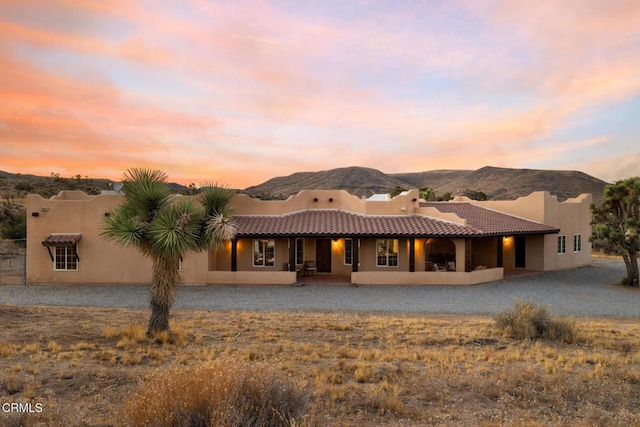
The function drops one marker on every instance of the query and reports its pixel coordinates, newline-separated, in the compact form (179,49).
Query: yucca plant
(163,228)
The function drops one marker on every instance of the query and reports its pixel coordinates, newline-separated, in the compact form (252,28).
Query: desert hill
(17,185)
(496,183)
(356,180)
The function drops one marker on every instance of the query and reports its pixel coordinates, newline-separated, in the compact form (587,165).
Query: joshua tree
(616,224)
(163,227)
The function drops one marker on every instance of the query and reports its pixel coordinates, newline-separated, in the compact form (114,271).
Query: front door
(520,251)
(323,255)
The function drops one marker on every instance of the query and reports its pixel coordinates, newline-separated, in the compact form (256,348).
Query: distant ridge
(356,180)
(496,183)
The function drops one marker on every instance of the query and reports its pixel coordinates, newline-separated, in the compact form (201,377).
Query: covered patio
(346,247)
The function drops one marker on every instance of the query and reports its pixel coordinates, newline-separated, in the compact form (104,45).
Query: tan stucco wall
(427,278)
(100,261)
(402,204)
(572,216)
(485,251)
(250,278)
(103,262)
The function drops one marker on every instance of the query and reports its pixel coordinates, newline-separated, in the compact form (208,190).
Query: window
(577,242)
(348,251)
(264,253)
(66,258)
(387,253)
(299,251)
(562,244)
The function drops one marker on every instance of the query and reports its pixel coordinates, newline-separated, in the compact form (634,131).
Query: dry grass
(220,393)
(528,320)
(87,366)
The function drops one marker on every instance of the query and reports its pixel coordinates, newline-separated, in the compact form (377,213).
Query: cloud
(242,91)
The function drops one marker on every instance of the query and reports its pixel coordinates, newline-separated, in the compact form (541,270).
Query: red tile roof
(333,223)
(490,222)
(62,239)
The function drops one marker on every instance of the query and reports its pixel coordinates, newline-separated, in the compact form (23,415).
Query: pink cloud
(248,90)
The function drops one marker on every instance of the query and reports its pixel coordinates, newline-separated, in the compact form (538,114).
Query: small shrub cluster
(221,393)
(528,320)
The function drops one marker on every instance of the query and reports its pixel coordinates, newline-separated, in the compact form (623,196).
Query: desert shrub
(528,320)
(221,393)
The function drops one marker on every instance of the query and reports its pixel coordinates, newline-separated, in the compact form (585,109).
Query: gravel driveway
(587,291)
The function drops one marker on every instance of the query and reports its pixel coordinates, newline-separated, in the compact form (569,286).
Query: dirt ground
(81,366)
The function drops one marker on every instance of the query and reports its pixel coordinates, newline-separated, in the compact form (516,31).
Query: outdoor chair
(310,268)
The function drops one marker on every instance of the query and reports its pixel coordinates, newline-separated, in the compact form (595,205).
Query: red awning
(60,239)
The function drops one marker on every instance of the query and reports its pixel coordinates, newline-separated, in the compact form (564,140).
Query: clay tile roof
(490,222)
(59,239)
(331,223)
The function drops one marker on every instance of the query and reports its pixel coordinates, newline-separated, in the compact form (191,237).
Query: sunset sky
(238,92)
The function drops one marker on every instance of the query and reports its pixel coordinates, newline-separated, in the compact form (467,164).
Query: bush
(222,393)
(529,320)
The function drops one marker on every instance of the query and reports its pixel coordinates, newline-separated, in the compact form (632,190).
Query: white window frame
(577,243)
(390,259)
(65,256)
(562,244)
(260,252)
(348,251)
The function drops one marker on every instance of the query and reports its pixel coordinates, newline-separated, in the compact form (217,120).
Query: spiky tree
(163,228)
(616,224)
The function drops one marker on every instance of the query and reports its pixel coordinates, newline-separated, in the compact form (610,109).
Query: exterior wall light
(330,199)
(315,199)
(35,214)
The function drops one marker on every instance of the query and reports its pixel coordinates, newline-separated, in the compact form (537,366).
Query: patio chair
(310,268)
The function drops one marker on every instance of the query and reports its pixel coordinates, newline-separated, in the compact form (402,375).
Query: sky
(238,92)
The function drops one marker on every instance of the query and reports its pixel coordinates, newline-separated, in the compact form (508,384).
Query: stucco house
(400,240)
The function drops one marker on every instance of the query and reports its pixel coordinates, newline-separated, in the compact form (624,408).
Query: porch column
(468,257)
(292,254)
(412,255)
(355,256)
(234,255)
(500,252)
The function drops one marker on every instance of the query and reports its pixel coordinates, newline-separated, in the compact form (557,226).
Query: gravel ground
(587,291)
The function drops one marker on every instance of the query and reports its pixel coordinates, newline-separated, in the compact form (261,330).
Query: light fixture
(35,214)
(330,199)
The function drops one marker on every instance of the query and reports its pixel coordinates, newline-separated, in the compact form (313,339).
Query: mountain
(496,183)
(356,180)
(17,185)
(508,184)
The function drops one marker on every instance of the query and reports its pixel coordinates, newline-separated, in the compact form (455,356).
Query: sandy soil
(80,366)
